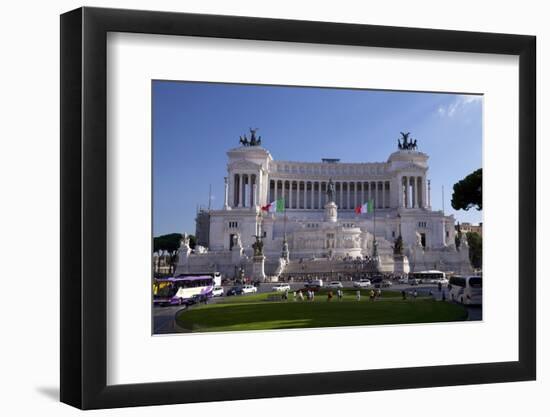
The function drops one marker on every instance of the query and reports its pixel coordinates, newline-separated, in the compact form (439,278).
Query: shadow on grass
(294,315)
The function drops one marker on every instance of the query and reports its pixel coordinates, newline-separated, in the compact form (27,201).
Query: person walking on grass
(329,296)
(358,295)
(378,293)
(415,294)
(300,295)
(403,294)
(372,295)
(340,294)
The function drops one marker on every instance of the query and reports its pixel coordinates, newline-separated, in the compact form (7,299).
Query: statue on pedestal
(258,246)
(330,190)
(398,246)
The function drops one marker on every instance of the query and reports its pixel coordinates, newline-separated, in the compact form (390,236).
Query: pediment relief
(410,166)
(243,165)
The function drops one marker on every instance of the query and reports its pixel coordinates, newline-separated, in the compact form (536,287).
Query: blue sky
(194,124)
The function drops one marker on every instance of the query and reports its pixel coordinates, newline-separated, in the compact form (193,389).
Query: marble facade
(318,231)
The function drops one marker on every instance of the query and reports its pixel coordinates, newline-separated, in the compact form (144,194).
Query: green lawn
(254,312)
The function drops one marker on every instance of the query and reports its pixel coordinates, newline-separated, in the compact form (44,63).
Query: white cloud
(458,105)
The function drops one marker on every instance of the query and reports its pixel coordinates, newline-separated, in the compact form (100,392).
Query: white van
(466,290)
(315,283)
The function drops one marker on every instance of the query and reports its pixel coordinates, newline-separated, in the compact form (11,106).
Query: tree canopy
(467,192)
(171,242)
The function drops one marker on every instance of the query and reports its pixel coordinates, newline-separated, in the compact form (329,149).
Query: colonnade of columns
(413,193)
(246,190)
(304,194)
(311,194)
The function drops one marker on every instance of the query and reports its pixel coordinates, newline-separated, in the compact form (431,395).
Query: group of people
(299,295)
(310,295)
(373,294)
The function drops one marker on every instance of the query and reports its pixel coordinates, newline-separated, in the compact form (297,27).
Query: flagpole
(284,219)
(374,218)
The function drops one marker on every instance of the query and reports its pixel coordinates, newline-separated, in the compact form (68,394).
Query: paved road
(165,323)
(164,320)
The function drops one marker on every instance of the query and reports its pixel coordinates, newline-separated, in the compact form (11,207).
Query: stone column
(254,190)
(383,194)
(420,201)
(368,191)
(406,192)
(312,200)
(290,194)
(232,190)
(285,195)
(415,189)
(260,188)
(301,195)
(225,193)
(320,183)
(429,193)
(298,194)
(248,192)
(294,192)
(251,190)
(240,176)
(424,193)
(341,194)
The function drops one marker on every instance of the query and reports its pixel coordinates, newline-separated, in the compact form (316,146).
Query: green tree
(467,192)
(475,242)
(170,242)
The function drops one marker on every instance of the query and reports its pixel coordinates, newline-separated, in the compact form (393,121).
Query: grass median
(266,311)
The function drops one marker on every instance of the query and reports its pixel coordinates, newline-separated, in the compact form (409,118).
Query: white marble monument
(320,230)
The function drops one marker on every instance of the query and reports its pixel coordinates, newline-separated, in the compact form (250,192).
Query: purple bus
(175,291)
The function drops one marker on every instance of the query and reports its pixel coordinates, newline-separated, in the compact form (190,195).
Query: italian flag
(277,206)
(368,207)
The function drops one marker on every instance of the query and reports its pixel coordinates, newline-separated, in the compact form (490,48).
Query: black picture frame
(84,207)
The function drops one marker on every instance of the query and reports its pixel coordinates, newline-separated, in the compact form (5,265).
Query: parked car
(217,291)
(362,283)
(335,284)
(403,280)
(414,281)
(249,289)
(385,283)
(281,287)
(235,291)
(318,283)
(442,281)
(197,299)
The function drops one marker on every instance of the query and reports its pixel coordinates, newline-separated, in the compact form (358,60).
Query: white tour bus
(465,290)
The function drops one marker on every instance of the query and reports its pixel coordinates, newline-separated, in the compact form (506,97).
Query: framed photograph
(259,208)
